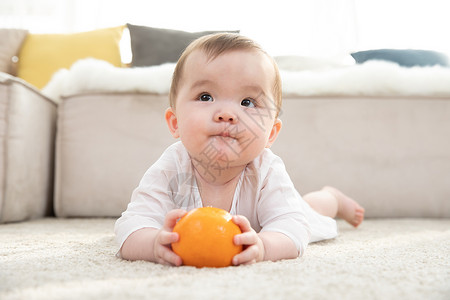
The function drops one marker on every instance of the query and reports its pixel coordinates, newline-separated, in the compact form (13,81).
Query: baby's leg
(333,203)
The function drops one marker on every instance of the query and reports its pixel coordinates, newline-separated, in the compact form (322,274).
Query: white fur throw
(93,75)
(373,78)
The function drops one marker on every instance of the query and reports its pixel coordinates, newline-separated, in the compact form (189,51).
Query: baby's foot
(348,209)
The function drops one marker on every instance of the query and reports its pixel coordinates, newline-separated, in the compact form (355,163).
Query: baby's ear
(172,122)
(274,132)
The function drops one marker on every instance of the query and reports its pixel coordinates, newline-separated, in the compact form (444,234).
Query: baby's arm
(261,246)
(154,244)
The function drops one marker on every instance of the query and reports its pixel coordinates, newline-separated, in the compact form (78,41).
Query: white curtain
(283,27)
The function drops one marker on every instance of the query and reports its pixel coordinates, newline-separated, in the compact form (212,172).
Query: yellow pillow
(44,54)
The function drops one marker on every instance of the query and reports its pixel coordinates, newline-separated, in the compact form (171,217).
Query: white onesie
(264,194)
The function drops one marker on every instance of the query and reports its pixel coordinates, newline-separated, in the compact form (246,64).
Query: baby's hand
(162,250)
(253,245)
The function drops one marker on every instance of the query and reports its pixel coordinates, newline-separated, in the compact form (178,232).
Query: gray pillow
(406,58)
(11,41)
(154,46)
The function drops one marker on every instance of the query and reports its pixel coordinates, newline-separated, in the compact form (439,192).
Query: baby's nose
(224,116)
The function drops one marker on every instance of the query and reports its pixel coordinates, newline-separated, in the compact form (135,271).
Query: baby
(224,103)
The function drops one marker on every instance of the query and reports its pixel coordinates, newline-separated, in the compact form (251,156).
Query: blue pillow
(405,58)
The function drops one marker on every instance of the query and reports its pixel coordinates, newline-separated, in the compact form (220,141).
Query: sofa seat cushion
(391,154)
(104,144)
(374,149)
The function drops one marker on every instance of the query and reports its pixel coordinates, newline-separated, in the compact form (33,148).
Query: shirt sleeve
(150,201)
(280,207)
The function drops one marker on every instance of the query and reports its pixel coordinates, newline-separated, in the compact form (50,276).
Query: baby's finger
(246,238)
(168,257)
(242,222)
(248,256)
(172,217)
(167,238)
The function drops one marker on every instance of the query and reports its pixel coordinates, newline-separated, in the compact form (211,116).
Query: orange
(206,238)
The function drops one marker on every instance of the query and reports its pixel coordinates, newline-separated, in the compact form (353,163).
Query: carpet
(75,259)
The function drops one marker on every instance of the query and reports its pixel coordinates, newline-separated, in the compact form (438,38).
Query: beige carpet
(74,259)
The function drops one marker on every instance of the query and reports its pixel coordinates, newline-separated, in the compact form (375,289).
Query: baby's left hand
(253,245)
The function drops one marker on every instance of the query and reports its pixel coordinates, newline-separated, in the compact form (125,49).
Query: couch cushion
(154,46)
(104,145)
(10,43)
(406,58)
(27,132)
(43,54)
(390,154)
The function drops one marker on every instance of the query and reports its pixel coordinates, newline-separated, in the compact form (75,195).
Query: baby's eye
(206,97)
(248,102)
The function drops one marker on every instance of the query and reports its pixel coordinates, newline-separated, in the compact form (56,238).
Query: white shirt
(264,194)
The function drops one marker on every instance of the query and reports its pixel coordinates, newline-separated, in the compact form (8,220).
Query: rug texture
(75,259)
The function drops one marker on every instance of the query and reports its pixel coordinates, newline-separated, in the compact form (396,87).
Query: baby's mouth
(226,136)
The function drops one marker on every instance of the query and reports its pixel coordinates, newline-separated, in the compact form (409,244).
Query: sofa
(74,148)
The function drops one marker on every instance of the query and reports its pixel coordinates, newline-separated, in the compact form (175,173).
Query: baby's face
(224,108)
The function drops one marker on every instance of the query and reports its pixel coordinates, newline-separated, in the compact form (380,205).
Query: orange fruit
(206,238)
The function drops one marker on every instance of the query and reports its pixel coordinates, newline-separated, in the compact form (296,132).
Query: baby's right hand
(162,250)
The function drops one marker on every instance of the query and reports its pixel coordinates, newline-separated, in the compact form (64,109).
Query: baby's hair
(214,45)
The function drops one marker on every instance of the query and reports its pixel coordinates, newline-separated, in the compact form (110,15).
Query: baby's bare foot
(348,209)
